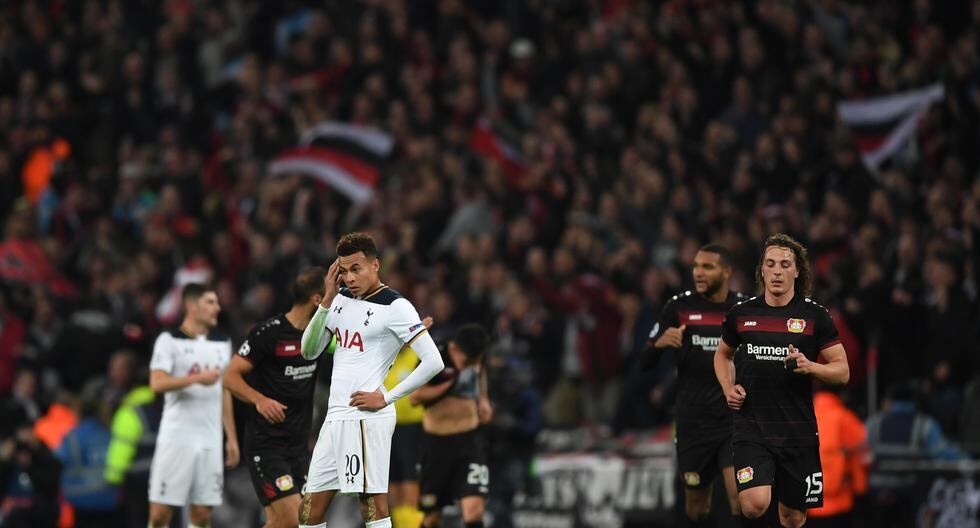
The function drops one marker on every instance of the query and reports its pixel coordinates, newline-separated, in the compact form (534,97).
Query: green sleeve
(126,432)
(316,337)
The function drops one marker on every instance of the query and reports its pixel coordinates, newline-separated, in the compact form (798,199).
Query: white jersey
(192,415)
(370,331)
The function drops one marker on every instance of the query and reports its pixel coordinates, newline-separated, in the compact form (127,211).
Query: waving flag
(487,142)
(347,157)
(884,125)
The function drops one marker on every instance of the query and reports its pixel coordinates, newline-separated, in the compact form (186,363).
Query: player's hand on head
(368,401)
(673,337)
(331,285)
(271,410)
(735,397)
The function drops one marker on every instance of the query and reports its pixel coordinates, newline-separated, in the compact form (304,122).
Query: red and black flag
(349,158)
(490,142)
(884,125)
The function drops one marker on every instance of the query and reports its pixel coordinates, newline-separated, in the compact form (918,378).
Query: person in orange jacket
(843,444)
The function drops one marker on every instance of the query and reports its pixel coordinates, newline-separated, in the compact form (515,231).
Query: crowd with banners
(547,169)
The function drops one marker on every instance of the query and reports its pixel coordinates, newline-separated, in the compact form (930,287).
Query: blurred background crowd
(135,138)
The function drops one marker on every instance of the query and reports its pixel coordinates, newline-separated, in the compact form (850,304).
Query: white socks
(321,525)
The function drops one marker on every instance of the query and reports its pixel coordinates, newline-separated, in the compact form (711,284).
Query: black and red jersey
(778,408)
(701,404)
(280,373)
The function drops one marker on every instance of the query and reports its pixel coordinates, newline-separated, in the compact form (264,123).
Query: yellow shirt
(405,363)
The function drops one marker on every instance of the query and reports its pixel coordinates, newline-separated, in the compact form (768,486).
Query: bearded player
(691,324)
(270,375)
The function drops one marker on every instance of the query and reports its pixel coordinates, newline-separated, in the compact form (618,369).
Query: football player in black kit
(280,388)
(766,362)
(691,324)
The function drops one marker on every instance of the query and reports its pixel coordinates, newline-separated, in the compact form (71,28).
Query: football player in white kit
(370,323)
(186,365)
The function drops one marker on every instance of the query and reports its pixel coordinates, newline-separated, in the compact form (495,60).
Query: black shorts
(452,467)
(700,460)
(794,472)
(405,453)
(275,475)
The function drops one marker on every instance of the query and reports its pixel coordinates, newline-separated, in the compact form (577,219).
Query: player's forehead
(779,254)
(207,297)
(707,257)
(349,261)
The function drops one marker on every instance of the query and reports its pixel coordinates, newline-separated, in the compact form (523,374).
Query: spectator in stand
(135,139)
(901,433)
(83,457)
(28,478)
(843,457)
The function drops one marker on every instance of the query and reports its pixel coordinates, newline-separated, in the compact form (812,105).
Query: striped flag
(489,143)
(347,157)
(884,125)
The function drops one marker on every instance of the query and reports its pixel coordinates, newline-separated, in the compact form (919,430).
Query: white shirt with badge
(192,415)
(369,336)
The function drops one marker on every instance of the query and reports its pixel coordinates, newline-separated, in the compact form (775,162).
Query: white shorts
(352,456)
(182,475)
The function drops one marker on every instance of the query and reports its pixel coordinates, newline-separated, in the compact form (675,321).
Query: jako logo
(749,323)
(695,317)
(349,339)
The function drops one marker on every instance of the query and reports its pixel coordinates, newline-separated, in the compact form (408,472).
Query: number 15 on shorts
(814,486)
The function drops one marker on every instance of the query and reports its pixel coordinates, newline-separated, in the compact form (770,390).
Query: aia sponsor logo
(348,339)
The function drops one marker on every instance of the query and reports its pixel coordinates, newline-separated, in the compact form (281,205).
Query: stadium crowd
(135,138)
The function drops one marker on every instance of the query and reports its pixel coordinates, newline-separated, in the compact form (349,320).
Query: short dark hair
(472,339)
(724,255)
(193,291)
(351,243)
(804,283)
(308,283)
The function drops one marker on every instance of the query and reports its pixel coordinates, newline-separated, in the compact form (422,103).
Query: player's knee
(431,520)
(792,519)
(473,510)
(697,503)
(697,510)
(160,516)
(199,515)
(753,507)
